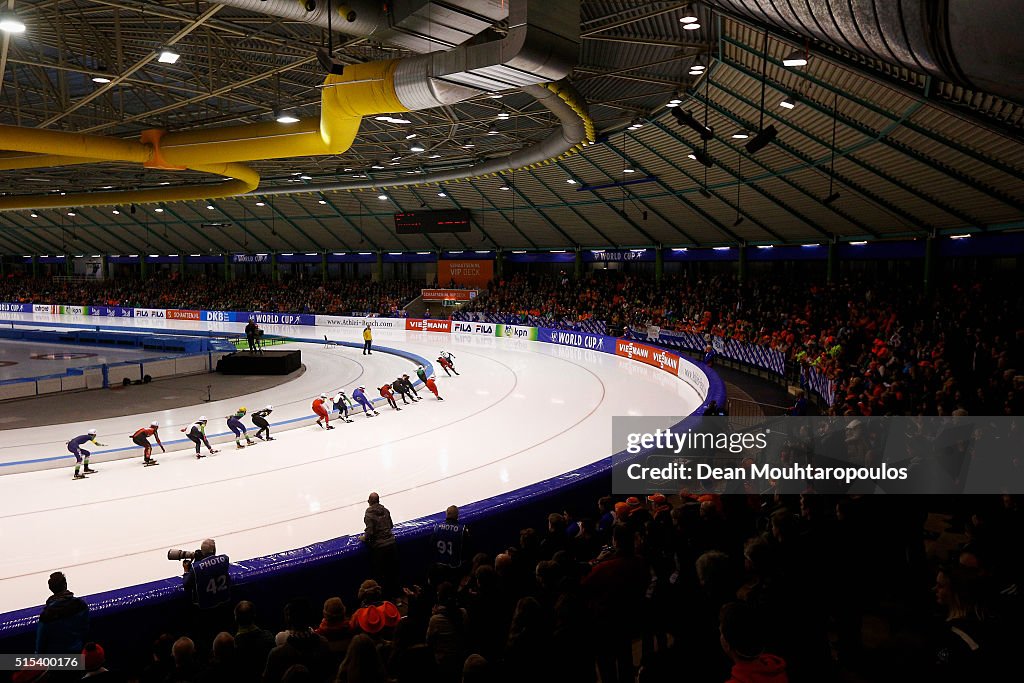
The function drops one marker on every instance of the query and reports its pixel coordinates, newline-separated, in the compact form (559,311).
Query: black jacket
(378,523)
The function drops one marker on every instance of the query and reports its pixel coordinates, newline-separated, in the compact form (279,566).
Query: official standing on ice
(367,340)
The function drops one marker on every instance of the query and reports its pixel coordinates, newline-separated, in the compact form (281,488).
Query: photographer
(205,578)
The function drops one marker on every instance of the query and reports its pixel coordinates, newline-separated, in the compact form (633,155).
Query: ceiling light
(468,145)
(434,156)
(346,170)
(495,95)
(305,177)
(688,17)
(166,182)
(34,215)
(691,27)
(675,101)
(260,204)
(100,79)
(382,197)
(795,58)
(10,23)
(959,237)
(691,155)
(410,136)
(721,248)
(158,210)
(765,246)
(859,244)
(71,213)
(504,188)
(210,207)
(740,135)
(285,117)
(503,115)
(493,131)
(396,158)
(695,73)
(697,66)
(322,201)
(116,212)
(417,148)
(788,102)
(809,246)
(395,163)
(400,121)
(168,57)
(628,170)
(571,181)
(442,193)
(377,166)
(382,118)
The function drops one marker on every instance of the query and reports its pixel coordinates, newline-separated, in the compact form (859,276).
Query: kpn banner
(831,455)
(516,332)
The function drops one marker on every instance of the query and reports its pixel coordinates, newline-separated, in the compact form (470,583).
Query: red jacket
(764,669)
(318,406)
(385,391)
(431,384)
(147,432)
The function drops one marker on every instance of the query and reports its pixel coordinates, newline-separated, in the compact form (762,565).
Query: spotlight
(382,197)
(761,140)
(788,102)
(100,79)
(740,135)
(831,198)
(158,210)
(285,117)
(503,115)
(795,58)
(493,131)
(168,57)
(629,170)
(442,194)
(686,118)
(417,147)
(691,27)
(10,23)
(504,188)
(322,201)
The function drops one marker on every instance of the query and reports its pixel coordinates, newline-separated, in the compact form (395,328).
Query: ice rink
(28,359)
(520,412)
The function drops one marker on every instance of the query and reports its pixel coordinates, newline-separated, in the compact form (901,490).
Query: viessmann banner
(428,325)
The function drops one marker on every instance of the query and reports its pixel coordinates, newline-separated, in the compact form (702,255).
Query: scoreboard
(418,222)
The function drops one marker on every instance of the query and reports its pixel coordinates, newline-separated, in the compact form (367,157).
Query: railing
(745,415)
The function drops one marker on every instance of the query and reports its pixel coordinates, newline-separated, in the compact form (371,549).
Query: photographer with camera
(205,578)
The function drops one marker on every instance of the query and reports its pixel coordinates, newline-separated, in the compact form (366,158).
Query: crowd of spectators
(701,588)
(334,297)
(891,349)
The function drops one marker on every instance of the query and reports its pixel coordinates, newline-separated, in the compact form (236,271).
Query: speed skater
(75,448)
(141,438)
(359,395)
(445,360)
(386,392)
(236,426)
(196,432)
(323,417)
(259,418)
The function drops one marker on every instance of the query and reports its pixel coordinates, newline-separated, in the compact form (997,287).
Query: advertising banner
(43,308)
(111,311)
(74,310)
(218,316)
(359,323)
(448,294)
(428,325)
(179,314)
(486,329)
(664,360)
(151,313)
(21,308)
(619,255)
(516,332)
(695,377)
(468,273)
(596,342)
(278,318)
(250,258)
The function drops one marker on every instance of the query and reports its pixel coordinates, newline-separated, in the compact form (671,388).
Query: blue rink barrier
(336,566)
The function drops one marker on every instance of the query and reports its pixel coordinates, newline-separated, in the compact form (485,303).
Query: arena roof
(912,153)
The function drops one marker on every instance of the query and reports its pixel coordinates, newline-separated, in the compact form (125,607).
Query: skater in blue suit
(75,448)
(359,396)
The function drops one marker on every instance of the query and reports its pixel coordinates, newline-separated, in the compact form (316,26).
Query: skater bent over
(323,418)
(75,448)
(196,432)
(386,392)
(447,362)
(359,395)
(432,385)
(399,386)
(342,403)
(236,426)
(421,373)
(259,418)
(141,438)
(411,387)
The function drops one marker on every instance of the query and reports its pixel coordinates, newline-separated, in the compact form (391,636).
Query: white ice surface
(520,412)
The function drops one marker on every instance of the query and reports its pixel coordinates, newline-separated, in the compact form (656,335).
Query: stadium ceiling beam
(690,205)
(423,203)
(749,125)
(598,71)
(881,136)
(133,219)
(81,102)
(42,216)
(326,227)
(39,235)
(608,202)
(342,216)
(203,237)
(246,233)
(627,77)
(290,223)
(485,198)
(544,215)
(635,40)
(847,154)
(618,21)
(26,237)
(377,218)
(575,211)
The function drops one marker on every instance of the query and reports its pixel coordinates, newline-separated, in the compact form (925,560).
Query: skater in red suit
(323,417)
(386,392)
(141,438)
(445,361)
(432,385)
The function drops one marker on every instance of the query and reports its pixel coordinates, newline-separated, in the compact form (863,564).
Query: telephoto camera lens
(174,555)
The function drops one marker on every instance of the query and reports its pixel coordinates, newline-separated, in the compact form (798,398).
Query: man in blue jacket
(63,622)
